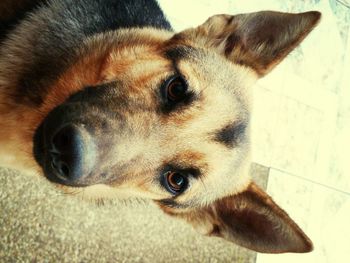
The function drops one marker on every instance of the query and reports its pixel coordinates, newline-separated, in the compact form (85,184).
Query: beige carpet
(40,224)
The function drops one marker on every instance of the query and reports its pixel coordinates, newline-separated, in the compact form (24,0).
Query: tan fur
(133,61)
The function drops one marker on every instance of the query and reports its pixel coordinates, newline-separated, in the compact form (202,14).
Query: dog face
(166,117)
(153,116)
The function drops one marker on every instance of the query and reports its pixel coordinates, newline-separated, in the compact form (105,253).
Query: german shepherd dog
(101,96)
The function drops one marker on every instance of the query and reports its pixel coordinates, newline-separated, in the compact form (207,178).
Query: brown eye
(175,182)
(176,89)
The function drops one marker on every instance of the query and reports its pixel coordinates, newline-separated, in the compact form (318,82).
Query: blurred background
(301,151)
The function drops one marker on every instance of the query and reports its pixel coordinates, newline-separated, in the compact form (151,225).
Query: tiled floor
(301,123)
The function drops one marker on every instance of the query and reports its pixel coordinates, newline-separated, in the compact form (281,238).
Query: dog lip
(39,145)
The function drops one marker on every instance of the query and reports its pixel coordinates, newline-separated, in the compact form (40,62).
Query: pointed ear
(253,220)
(258,40)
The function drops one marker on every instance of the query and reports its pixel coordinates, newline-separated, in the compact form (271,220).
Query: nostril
(64,170)
(61,168)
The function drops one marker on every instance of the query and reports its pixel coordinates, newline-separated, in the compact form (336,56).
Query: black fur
(231,135)
(10,22)
(180,52)
(65,25)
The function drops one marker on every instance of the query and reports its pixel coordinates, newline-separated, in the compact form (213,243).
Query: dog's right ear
(257,40)
(250,219)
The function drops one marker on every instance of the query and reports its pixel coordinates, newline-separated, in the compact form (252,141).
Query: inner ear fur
(259,40)
(250,219)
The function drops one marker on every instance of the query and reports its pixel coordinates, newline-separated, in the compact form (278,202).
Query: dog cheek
(201,222)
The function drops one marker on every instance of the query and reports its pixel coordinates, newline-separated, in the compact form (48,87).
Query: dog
(103,97)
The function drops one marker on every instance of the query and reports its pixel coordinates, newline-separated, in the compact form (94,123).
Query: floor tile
(297,137)
(322,52)
(293,194)
(300,141)
(322,213)
(339,170)
(266,105)
(344,94)
(260,174)
(341,10)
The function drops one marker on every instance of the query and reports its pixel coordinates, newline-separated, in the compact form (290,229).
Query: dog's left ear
(258,40)
(250,219)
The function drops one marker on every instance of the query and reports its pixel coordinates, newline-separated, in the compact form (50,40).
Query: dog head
(166,116)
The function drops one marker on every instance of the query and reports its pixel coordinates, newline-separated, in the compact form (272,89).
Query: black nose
(67,154)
